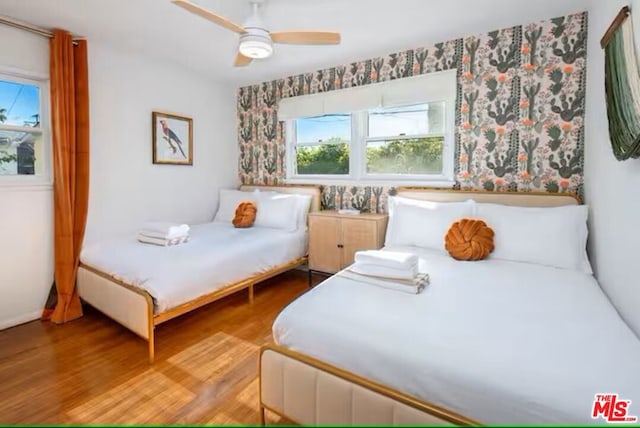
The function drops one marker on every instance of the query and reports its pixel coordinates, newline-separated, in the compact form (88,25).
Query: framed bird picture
(172,139)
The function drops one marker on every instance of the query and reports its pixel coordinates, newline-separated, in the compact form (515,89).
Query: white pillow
(277,210)
(554,236)
(303,204)
(392,201)
(229,201)
(423,223)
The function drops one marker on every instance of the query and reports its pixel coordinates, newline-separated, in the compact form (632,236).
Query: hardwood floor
(93,371)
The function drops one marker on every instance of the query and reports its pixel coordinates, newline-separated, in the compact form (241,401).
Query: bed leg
(151,341)
(310,277)
(251,294)
(152,355)
(262,416)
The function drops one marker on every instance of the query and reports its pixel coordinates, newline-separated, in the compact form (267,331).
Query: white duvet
(216,254)
(497,341)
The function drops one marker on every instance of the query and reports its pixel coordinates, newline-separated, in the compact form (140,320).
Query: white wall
(611,187)
(26,213)
(26,253)
(126,188)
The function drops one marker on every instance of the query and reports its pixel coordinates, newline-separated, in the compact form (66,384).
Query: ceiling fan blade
(217,19)
(242,60)
(306,37)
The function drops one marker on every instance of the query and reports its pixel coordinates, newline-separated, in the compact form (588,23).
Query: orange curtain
(70,134)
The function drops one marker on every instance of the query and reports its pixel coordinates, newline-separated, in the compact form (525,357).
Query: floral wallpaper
(520,110)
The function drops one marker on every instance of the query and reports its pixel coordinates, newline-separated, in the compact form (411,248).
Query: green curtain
(622,84)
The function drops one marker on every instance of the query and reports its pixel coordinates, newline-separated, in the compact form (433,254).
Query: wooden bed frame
(134,308)
(307,390)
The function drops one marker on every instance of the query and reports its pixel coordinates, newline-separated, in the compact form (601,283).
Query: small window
(399,131)
(322,145)
(21,131)
(406,140)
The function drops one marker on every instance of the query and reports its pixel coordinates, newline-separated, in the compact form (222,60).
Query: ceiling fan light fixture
(256,41)
(256,47)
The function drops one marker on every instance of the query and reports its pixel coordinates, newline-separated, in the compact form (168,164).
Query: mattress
(217,254)
(497,341)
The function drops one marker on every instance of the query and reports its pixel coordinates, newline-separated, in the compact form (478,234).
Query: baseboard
(20,319)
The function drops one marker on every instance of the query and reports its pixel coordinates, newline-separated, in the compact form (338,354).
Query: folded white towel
(162,242)
(406,286)
(158,235)
(167,230)
(384,271)
(392,259)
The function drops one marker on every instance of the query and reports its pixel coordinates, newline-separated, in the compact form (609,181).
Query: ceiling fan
(256,41)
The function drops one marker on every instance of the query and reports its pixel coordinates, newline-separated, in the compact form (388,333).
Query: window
(406,140)
(322,144)
(400,131)
(408,143)
(22,130)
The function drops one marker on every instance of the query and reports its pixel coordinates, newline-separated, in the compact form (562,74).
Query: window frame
(447,150)
(44,179)
(292,143)
(357,153)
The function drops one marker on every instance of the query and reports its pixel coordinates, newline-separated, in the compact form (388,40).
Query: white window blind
(439,86)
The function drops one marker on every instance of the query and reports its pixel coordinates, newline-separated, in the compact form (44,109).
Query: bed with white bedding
(525,336)
(500,342)
(141,285)
(217,254)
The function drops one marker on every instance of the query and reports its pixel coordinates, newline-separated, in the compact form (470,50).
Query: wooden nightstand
(334,238)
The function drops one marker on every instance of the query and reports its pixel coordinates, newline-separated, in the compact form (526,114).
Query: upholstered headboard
(314,191)
(523,199)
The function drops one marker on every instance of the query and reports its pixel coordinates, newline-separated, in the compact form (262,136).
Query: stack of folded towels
(389,269)
(163,233)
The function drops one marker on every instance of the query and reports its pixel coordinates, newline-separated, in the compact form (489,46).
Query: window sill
(371,182)
(17,186)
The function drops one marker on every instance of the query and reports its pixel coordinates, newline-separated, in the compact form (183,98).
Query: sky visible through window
(21,103)
(407,120)
(20,150)
(323,128)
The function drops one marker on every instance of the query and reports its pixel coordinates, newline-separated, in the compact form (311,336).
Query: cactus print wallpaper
(520,110)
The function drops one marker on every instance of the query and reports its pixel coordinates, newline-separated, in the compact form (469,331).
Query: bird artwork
(171,138)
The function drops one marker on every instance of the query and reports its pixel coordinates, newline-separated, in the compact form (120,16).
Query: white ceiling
(369,28)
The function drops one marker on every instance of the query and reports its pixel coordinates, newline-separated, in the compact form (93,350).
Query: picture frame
(172,138)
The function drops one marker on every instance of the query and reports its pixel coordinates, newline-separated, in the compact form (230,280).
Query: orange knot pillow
(469,239)
(245,214)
